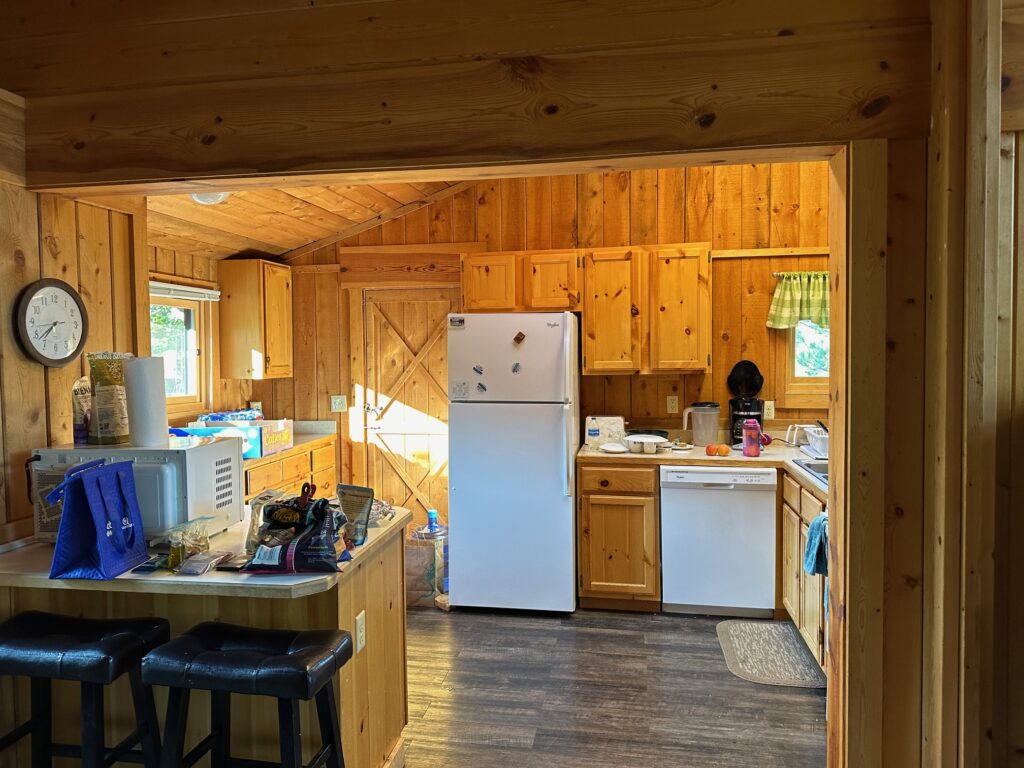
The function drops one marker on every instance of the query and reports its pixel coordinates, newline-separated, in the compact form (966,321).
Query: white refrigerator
(513,433)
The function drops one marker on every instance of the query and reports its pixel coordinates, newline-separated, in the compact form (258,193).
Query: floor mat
(769,652)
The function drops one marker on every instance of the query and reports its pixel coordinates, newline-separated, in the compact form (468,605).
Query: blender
(705,422)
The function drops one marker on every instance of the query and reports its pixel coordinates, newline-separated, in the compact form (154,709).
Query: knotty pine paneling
(101,253)
(748,206)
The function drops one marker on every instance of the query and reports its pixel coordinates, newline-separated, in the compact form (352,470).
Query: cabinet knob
(604,483)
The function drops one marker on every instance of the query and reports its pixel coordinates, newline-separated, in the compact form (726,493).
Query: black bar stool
(95,652)
(226,659)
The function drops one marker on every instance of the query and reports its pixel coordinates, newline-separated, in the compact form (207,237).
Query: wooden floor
(595,690)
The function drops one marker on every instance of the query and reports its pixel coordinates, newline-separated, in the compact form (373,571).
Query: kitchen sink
(817,468)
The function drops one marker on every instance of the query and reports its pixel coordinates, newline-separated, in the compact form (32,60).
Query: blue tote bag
(100,535)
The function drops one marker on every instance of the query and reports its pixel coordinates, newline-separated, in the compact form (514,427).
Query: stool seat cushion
(285,664)
(49,645)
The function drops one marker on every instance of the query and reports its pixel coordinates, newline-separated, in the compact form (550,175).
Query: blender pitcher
(705,422)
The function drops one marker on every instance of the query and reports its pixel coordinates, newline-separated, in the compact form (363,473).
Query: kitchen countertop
(777,455)
(30,567)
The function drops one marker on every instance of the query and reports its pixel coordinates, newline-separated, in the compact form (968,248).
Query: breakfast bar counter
(372,684)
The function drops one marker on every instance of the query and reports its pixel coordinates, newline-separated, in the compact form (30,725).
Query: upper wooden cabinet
(612,309)
(489,281)
(524,281)
(680,308)
(255,319)
(550,281)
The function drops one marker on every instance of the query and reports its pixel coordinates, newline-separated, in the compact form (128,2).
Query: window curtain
(799,296)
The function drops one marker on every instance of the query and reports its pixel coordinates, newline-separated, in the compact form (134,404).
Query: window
(802,378)
(177,333)
(810,351)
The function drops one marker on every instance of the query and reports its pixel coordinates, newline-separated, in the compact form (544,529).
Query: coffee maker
(745,382)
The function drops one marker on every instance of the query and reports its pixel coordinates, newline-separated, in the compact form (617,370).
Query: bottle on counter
(593,432)
(751,438)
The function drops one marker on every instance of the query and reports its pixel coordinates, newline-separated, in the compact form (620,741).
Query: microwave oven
(192,477)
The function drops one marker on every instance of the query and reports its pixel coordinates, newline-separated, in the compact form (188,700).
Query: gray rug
(769,652)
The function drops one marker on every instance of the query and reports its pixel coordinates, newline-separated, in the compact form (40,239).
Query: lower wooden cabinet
(803,595)
(792,563)
(618,536)
(290,469)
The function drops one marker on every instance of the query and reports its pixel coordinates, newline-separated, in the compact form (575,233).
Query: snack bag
(285,547)
(109,422)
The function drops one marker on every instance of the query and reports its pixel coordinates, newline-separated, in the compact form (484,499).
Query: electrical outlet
(339,403)
(672,403)
(256,405)
(769,410)
(360,631)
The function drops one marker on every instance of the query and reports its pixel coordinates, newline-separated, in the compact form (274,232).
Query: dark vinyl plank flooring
(594,689)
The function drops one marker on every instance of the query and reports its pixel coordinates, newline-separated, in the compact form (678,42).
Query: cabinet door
(612,310)
(811,608)
(550,280)
(489,281)
(277,320)
(680,308)
(618,538)
(792,559)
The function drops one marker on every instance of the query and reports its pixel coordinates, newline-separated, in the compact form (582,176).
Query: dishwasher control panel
(718,477)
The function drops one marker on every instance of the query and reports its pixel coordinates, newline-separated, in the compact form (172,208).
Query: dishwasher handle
(718,486)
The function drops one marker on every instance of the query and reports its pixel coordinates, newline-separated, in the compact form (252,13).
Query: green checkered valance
(799,296)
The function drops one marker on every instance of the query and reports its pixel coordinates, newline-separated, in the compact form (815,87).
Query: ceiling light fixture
(210,198)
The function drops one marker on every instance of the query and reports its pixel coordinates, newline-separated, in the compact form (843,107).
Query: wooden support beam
(379,219)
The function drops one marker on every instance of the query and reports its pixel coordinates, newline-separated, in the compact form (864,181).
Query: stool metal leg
(291,733)
(220,727)
(93,726)
(42,722)
(145,717)
(330,728)
(174,728)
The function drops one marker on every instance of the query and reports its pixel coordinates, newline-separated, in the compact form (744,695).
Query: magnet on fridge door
(478,370)
(481,387)
(516,367)
(519,338)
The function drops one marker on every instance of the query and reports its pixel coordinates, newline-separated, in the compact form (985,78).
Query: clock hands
(49,330)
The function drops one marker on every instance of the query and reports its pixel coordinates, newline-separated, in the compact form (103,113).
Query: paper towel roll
(147,403)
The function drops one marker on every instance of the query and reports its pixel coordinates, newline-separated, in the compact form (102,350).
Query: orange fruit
(723,450)
(711,450)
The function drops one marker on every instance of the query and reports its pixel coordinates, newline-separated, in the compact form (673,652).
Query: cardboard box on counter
(259,438)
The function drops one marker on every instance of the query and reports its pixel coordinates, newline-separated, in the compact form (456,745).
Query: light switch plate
(360,631)
(672,403)
(256,404)
(769,410)
(339,403)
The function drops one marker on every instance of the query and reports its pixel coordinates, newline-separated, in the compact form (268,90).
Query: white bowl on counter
(644,443)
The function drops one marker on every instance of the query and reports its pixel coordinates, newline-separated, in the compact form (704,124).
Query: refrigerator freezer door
(510,358)
(511,507)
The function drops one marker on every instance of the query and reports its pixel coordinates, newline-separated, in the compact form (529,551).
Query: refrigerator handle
(570,360)
(567,450)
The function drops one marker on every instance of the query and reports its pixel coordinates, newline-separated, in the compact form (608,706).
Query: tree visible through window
(810,351)
(175,336)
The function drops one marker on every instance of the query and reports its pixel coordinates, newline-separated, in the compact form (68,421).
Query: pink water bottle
(751,438)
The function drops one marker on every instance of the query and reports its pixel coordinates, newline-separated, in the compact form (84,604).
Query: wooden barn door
(407,395)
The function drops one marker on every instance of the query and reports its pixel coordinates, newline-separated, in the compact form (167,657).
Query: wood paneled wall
(733,207)
(101,253)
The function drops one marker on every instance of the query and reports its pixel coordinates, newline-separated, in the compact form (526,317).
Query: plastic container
(704,418)
(593,432)
(434,531)
(751,438)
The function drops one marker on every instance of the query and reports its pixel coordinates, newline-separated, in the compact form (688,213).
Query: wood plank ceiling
(274,221)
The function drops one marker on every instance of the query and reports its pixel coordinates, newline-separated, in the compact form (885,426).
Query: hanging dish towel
(816,552)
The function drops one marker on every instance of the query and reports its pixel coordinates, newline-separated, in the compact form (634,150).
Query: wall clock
(52,322)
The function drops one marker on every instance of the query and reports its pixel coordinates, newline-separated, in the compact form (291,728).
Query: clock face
(52,322)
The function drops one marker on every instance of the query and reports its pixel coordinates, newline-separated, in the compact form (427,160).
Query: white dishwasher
(718,540)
